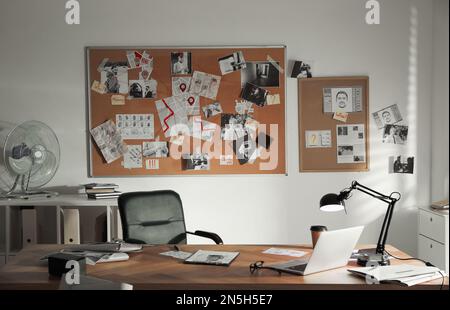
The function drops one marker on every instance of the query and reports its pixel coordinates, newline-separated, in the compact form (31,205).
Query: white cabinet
(433,237)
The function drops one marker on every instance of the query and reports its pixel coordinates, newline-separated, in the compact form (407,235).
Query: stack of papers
(106,247)
(407,275)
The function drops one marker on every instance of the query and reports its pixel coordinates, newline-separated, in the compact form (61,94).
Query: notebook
(211,258)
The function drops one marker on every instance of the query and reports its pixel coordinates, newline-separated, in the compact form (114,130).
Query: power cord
(421,260)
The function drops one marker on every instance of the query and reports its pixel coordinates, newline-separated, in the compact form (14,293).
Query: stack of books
(102,190)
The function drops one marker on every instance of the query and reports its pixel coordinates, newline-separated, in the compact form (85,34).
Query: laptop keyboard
(298,267)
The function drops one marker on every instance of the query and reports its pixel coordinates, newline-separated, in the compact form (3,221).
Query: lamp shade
(332,203)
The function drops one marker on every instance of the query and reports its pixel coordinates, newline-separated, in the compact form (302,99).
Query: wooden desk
(149,270)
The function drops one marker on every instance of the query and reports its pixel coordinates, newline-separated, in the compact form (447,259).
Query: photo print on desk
(401,164)
(387,116)
(109,141)
(342,99)
(195,161)
(254,94)
(181,63)
(114,75)
(143,89)
(395,134)
(261,74)
(232,62)
(302,69)
(350,144)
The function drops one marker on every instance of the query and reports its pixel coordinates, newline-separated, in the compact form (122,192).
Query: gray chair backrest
(154,217)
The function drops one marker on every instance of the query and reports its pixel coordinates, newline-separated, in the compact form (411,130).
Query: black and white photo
(262,74)
(114,75)
(155,149)
(142,89)
(212,109)
(387,116)
(254,94)
(401,164)
(195,161)
(231,63)
(181,63)
(395,134)
(301,69)
(245,149)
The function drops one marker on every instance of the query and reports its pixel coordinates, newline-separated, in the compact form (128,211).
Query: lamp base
(370,257)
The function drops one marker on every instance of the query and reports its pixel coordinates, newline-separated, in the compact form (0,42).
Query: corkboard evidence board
(204,59)
(312,117)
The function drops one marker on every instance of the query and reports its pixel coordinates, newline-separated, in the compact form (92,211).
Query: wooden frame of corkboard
(312,117)
(204,59)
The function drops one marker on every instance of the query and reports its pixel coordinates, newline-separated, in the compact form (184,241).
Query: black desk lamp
(335,202)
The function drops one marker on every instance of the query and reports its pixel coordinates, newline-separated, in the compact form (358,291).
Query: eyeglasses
(260,265)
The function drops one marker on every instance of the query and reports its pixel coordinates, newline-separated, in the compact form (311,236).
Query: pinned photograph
(302,69)
(135,126)
(342,99)
(318,138)
(233,126)
(262,74)
(137,59)
(180,85)
(143,89)
(350,144)
(245,149)
(205,85)
(243,107)
(387,116)
(212,109)
(195,161)
(181,63)
(231,63)
(254,94)
(395,134)
(133,157)
(401,164)
(114,75)
(156,149)
(109,141)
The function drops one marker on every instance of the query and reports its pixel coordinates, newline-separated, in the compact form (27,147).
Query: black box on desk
(57,263)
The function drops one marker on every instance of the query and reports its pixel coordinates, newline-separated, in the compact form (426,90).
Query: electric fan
(29,158)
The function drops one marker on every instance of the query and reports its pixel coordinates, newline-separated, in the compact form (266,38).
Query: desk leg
(108,223)
(58,224)
(7,232)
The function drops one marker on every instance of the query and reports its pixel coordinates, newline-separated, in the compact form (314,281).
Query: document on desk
(408,275)
(106,247)
(284,252)
(177,254)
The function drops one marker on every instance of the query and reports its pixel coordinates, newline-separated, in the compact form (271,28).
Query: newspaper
(136,126)
(109,141)
(351,147)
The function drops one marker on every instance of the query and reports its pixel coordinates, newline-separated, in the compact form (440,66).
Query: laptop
(332,250)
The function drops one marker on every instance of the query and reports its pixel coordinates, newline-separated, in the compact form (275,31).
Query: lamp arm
(387,218)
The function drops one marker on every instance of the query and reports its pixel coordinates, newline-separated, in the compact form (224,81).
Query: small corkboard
(204,60)
(313,118)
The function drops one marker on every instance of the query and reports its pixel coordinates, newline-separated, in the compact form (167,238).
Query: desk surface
(65,200)
(149,270)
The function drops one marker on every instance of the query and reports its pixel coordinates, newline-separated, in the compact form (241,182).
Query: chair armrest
(206,234)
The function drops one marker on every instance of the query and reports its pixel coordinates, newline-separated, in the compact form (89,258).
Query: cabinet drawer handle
(431,246)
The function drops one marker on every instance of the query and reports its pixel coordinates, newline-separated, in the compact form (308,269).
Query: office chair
(156,217)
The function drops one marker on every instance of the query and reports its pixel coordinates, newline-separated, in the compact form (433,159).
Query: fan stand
(25,193)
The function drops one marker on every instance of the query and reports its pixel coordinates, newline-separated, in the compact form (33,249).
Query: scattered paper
(180,85)
(177,254)
(109,141)
(273,99)
(244,107)
(387,116)
(114,75)
(152,164)
(342,99)
(350,143)
(181,63)
(133,158)
(136,126)
(192,103)
(118,100)
(137,59)
(255,94)
(155,149)
(212,109)
(401,164)
(195,161)
(284,252)
(173,115)
(340,116)
(205,85)
(98,87)
(226,160)
(318,138)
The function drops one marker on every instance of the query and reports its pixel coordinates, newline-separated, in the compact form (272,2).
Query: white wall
(42,77)
(440,102)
